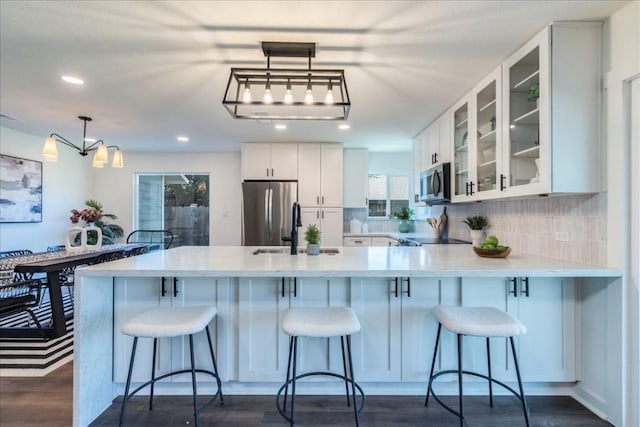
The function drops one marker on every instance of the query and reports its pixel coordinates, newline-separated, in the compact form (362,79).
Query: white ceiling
(156,70)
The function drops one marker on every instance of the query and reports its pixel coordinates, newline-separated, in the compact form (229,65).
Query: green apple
(493,240)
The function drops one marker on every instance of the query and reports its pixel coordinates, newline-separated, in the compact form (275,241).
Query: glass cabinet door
(487,148)
(524,119)
(461,149)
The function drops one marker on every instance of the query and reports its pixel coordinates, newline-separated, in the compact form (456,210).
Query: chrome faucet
(296,221)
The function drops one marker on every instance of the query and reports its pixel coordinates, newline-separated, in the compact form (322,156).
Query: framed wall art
(20,189)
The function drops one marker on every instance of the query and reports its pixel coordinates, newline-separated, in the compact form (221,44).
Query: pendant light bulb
(246,95)
(328,99)
(308,96)
(268,97)
(288,94)
(117,161)
(50,149)
(101,155)
(96,163)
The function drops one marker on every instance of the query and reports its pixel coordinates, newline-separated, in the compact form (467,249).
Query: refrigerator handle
(270,210)
(266,209)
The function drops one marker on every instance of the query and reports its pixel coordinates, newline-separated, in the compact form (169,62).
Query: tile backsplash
(568,227)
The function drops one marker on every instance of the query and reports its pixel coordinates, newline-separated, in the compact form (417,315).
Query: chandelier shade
(101,151)
(287,93)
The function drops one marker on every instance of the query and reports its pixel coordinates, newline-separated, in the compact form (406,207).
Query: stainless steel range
(419,241)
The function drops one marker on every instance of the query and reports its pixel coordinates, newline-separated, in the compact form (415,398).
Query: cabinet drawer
(357,241)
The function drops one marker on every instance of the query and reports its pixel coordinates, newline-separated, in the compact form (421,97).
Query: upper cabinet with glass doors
(551,112)
(477,141)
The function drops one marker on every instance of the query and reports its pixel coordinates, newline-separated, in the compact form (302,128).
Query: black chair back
(163,237)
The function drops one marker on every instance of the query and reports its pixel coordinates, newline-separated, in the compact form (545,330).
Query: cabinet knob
(503,186)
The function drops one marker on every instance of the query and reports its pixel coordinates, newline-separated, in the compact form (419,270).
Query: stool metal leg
(525,409)
(215,366)
(126,388)
(344,365)
(433,363)
(286,388)
(489,372)
(153,372)
(460,378)
(353,382)
(293,383)
(193,380)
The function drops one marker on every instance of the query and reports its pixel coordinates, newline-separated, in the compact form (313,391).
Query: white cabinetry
(477,148)
(277,161)
(262,302)
(134,295)
(417,169)
(357,241)
(437,142)
(356,177)
(551,143)
(320,175)
(546,306)
(329,222)
(398,331)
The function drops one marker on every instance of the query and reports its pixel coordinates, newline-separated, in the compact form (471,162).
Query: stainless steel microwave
(435,185)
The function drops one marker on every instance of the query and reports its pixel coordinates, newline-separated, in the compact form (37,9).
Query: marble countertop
(392,261)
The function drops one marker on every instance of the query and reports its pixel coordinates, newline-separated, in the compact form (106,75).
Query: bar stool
(481,322)
(319,323)
(167,322)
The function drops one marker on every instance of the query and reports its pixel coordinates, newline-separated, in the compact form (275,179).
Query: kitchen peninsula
(390,288)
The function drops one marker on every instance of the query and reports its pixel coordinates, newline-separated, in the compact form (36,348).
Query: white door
(419,327)
(284,161)
(262,351)
(332,226)
(331,166)
(256,161)
(356,177)
(445,141)
(309,175)
(377,348)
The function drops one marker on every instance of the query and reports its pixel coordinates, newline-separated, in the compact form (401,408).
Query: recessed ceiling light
(73,80)
(344,126)
(183,138)
(280,126)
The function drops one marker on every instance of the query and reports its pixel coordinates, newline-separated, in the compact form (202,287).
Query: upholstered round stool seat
(478,321)
(163,322)
(485,322)
(320,322)
(167,322)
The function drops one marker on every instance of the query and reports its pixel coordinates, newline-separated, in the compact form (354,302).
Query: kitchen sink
(271,251)
(326,251)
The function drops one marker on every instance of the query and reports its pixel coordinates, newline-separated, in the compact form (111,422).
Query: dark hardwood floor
(26,402)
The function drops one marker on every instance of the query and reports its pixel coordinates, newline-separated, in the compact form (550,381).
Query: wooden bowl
(492,253)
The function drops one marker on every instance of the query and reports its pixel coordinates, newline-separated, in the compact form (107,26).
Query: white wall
(66,184)
(115,188)
(400,163)
(622,65)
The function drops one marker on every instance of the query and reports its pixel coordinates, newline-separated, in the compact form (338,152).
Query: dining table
(52,263)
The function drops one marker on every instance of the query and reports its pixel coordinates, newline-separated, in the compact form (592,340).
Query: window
(387,194)
(175,202)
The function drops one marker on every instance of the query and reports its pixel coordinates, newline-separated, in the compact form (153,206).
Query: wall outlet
(562,236)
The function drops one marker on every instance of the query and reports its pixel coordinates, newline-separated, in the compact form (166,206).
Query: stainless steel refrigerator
(266,212)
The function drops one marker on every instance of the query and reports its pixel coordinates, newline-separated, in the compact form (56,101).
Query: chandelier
(100,157)
(287,93)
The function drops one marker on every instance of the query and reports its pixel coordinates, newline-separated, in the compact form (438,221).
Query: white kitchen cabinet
(478,143)
(398,331)
(329,222)
(437,142)
(552,143)
(546,306)
(262,302)
(320,175)
(134,295)
(356,177)
(276,161)
(383,241)
(357,241)
(417,170)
